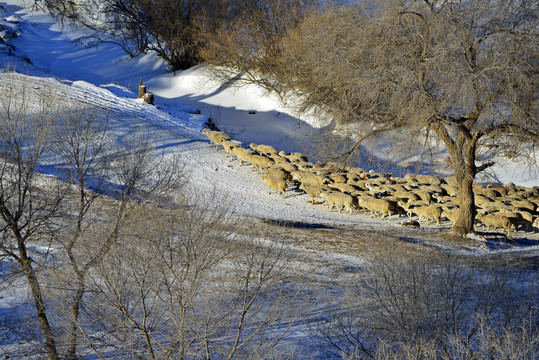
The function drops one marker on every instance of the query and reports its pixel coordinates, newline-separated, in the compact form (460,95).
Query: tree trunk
(465,171)
(74,321)
(50,343)
(466,214)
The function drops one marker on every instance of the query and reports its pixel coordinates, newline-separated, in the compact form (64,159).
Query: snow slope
(105,77)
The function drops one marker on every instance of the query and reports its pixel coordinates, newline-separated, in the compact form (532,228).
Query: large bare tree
(246,45)
(166,27)
(97,167)
(61,213)
(434,306)
(461,72)
(28,205)
(179,283)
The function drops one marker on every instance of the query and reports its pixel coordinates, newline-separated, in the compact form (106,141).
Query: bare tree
(245,46)
(129,173)
(167,27)
(462,73)
(27,205)
(436,307)
(179,284)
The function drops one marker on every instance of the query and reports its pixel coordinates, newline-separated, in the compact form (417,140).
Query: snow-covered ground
(106,77)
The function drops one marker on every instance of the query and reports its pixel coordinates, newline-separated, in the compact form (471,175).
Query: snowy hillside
(40,51)
(105,77)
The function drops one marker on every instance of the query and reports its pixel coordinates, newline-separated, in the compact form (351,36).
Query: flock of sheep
(353,189)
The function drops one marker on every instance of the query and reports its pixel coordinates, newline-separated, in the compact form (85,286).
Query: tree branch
(485,166)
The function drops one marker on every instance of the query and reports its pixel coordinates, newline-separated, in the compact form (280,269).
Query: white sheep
(258,162)
(275,183)
(376,206)
(215,137)
(343,187)
(423,195)
(304,166)
(526,220)
(451,215)
(428,179)
(524,204)
(263,148)
(312,190)
(278,159)
(242,154)
(356,171)
(495,221)
(410,204)
(428,212)
(499,188)
(311,179)
(490,193)
(277,172)
(450,190)
(337,178)
(288,167)
(442,198)
(293,157)
(339,199)
(228,145)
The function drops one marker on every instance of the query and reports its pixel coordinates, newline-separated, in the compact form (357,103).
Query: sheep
(405,195)
(451,180)
(360,184)
(346,188)
(410,204)
(258,162)
(288,167)
(513,216)
(428,179)
(312,190)
(441,198)
(376,206)
(499,188)
(304,166)
(427,212)
(342,200)
(277,159)
(338,178)
(228,145)
(495,206)
(276,171)
(526,220)
(310,179)
(490,193)
(323,172)
(450,206)
(356,171)
(451,215)
(528,205)
(423,195)
(394,201)
(397,188)
(275,183)
(482,200)
(433,189)
(375,187)
(242,154)
(215,137)
(450,190)
(263,148)
(294,157)
(495,221)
